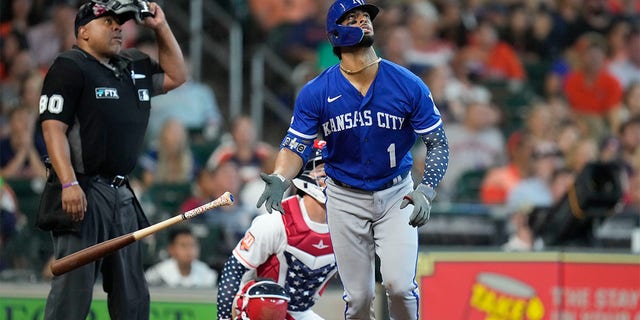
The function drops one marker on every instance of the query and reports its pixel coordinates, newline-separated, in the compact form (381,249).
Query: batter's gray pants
(363,224)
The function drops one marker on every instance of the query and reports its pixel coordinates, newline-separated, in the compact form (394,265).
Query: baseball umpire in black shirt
(94,110)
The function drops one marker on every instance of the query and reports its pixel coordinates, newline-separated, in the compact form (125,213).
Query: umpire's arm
(169,53)
(74,201)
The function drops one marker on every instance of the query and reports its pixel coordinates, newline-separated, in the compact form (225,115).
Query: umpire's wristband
(70,184)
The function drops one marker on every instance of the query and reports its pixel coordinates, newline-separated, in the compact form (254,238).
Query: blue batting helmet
(344,36)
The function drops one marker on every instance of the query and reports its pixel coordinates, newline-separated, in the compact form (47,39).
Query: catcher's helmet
(263,300)
(345,36)
(311,180)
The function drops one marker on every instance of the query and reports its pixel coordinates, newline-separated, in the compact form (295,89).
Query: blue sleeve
(229,285)
(426,116)
(437,159)
(304,124)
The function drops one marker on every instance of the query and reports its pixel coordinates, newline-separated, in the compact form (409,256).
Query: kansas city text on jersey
(354,119)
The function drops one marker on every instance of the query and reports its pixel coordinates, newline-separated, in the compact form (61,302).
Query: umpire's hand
(273,192)
(421,199)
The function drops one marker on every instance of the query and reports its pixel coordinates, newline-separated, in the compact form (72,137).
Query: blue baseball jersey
(369,137)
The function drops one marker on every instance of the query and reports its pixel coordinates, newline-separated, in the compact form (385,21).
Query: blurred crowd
(530,92)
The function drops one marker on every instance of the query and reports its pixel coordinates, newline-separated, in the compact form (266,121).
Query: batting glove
(273,192)
(421,199)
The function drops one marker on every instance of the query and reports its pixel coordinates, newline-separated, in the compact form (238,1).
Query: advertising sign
(530,286)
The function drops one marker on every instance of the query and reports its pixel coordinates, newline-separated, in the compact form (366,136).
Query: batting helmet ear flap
(344,36)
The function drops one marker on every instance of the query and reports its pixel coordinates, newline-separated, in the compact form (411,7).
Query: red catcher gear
(262,300)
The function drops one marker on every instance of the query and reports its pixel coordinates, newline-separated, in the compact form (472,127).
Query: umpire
(94,110)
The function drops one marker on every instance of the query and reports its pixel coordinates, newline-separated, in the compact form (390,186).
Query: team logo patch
(98,10)
(143,94)
(247,241)
(293,144)
(107,93)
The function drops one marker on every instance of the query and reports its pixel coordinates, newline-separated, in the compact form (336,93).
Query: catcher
(293,249)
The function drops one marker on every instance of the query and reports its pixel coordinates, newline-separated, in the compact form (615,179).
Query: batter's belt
(397,179)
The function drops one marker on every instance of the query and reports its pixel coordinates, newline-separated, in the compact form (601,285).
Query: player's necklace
(347,71)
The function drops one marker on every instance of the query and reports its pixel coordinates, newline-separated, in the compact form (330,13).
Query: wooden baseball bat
(99,250)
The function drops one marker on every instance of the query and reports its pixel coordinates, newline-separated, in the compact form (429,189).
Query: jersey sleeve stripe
(427,130)
(242,260)
(302,135)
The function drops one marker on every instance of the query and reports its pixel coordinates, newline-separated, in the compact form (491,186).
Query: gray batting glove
(421,199)
(273,191)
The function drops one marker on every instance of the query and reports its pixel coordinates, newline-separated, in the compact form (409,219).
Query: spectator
(539,47)
(566,136)
(582,152)
(47,39)
(463,85)
(617,38)
(456,21)
(562,179)
(30,90)
(272,13)
(12,44)
(475,143)
(631,101)
(397,44)
(534,191)
(565,17)
(250,155)
(303,39)
(593,93)
(22,151)
(492,59)
(171,161)
(627,71)
(19,21)
(8,221)
(182,269)
(539,123)
(437,78)
(499,181)
(202,192)
(231,220)
(630,145)
(426,50)
(193,103)
(19,69)
(594,17)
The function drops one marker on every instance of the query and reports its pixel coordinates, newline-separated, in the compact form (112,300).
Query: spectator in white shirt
(182,269)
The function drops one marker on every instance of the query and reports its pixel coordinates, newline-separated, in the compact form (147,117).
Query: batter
(370,111)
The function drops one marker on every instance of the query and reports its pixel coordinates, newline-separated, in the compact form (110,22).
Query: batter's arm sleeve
(437,158)
(229,285)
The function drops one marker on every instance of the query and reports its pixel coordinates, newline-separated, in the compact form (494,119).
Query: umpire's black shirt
(105,106)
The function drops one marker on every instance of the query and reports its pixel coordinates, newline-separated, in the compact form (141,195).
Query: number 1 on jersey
(392,155)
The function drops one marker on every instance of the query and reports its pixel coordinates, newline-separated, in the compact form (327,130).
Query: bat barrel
(90,254)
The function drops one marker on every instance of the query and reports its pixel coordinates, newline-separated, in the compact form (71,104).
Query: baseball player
(293,249)
(94,110)
(370,111)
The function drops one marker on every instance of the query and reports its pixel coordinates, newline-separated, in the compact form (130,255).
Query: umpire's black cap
(93,10)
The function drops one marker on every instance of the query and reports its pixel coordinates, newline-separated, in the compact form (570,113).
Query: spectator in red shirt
(492,59)
(592,92)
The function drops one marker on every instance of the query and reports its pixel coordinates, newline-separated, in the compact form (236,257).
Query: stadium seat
(467,188)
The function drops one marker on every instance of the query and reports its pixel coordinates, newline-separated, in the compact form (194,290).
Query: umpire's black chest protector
(112,111)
